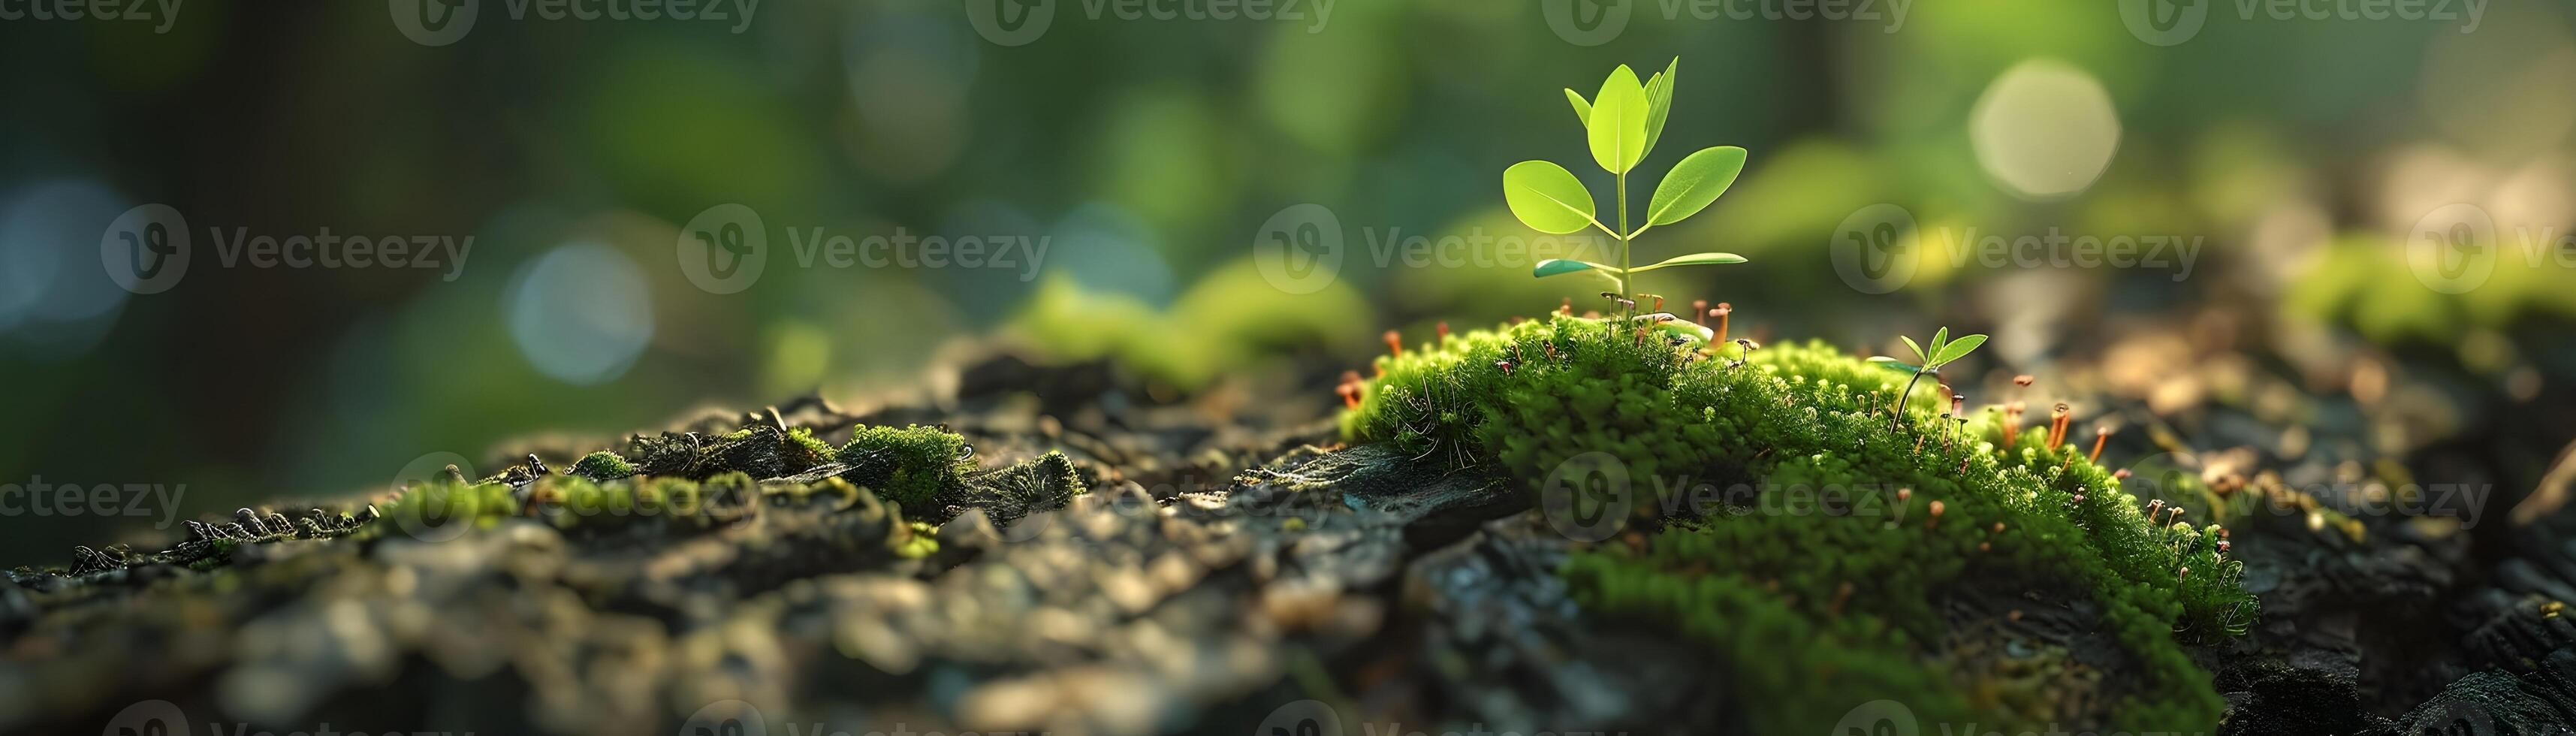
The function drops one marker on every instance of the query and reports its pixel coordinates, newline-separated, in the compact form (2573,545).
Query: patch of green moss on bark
(602,466)
(911,466)
(1797,533)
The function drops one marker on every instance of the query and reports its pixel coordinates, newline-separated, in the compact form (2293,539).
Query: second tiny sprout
(1929,362)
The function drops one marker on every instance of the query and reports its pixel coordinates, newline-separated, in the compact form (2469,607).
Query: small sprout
(1723,309)
(1936,516)
(1504,365)
(1443,329)
(1928,362)
(2121,474)
(2100,435)
(1394,342)
(1699,311)
(1621,124)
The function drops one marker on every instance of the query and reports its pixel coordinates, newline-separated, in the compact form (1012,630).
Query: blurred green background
(1149,154)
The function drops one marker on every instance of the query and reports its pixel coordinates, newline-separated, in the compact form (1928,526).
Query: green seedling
(1622,124)
(1928,362)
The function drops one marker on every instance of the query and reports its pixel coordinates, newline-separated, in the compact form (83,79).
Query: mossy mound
(1837,560)
(911,466)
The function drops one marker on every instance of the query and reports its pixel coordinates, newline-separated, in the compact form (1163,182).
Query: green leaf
(1918,349)
(1659,103)
(1959,348)
(1691,260)
(1546,197)
(1582,109)
(1694,183)
(1554,266)
(1888,362)
(1939,338)
(1617,127)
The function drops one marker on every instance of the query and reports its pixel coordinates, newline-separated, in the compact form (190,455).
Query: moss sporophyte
(1985,529)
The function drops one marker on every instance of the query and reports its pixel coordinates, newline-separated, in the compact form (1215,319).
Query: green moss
(922,540)
(812,445)
(1731,464)
(602,465)
(441,502)
(219,554)
(911,466)
(2366,283)
(1228,321)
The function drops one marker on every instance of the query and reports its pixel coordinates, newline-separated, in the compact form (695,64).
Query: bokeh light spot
(2045,130)
(580,313)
